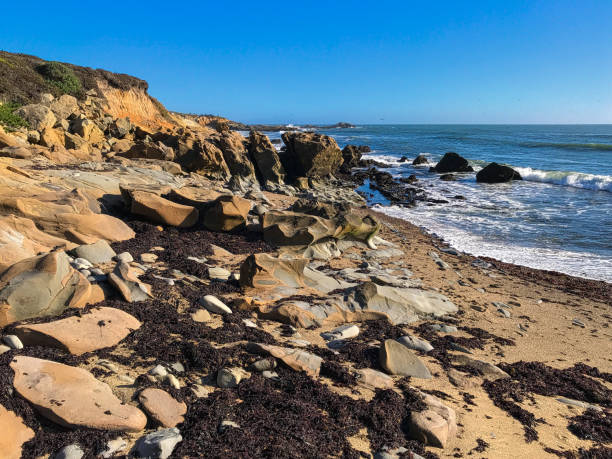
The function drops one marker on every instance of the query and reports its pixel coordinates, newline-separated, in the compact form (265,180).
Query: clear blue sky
(364,62)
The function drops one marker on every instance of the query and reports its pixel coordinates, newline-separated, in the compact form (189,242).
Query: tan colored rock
(125,279)
(436,425)
(295,359)
(149,150)
(50,138)
(312,154)
(38,116)
(97,329)
(14,434)
(160,210)
(292,228)
(374,378)
(39,286)
(227,213)
(266,158)
(64,106)
(488,370)
(201,315)
(122,145)
(17,152)
(87,229)
(72,397)
(397,359)
(21,239)
(76,142)
(162,408)
(262,270)
(8,140)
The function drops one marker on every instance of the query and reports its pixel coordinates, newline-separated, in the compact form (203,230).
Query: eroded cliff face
(134,103)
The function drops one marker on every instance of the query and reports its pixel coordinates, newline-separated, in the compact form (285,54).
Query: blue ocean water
(559,218)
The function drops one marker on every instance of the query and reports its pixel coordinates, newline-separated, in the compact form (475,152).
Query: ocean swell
(564,178)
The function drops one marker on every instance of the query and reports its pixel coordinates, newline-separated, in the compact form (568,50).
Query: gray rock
(417,344)
(443,328)
(397,359)
(114,446)
(70,452)
(504,312)
(82,263)
(160,444)
(219,274)
(215,305)
(578,323)
(159,370)
(12,341)
(578,403)
(96,253)
(489,370)
(125,257)
(4,349)
(270,374)
(38,116)
(231,377)
(341,333)
(264,365)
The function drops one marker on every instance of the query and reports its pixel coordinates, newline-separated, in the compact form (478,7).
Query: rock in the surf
(497,173)
(452,162)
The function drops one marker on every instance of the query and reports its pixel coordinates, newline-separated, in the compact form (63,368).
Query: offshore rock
(497,173)
(452,162)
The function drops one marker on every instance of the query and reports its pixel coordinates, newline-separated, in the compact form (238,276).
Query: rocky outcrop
(452,162)
(159,210)
(266,158)
(351,156)
(290,228)
(310,155)
(235,153)
(497,173)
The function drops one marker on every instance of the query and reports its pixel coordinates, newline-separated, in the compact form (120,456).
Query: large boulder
(452,162)
(227,213)
(87,129)
(311,155)
(235,152)
(119,128)
(159,210)
(204,158)
(266,158)
(72,397)
(351,155)
(38,116)
(420,159)
(40,286)
(64,106)
(497,173)
(291,228)
(149,150)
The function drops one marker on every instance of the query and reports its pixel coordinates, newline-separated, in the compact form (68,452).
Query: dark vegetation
(9,118)
(24,78)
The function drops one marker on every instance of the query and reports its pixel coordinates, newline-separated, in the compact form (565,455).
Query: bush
(9,119)
(61,76)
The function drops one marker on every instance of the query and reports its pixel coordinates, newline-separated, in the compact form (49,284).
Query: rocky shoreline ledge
(169,288)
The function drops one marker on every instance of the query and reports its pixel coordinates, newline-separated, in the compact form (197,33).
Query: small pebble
(12,341)
(125,257)
(173,381)
(159,370)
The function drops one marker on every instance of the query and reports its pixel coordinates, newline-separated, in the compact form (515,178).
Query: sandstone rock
(125,279)
(149,150)
(262,270)
(39,286)
(76,142)
(38,116)
(266,158)
(87,130)
(96,253)
(497,173)
(160,210)
(201,315)
(401,305)
(120,127)
(236,156)
(52,138)
(206,159)
(162,408)
(227,213)
(20,239)
(8,140)
(97,329)
(436,425)
(452,162)
(159,444)
(311,155)
(17,152)
(397,359)
(291,228)
(72,397)
(89,228)
(64,106)
(488,370)
(374,378)
(14,434)
(295,359)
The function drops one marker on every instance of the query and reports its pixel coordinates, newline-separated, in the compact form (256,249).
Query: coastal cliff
(172,288)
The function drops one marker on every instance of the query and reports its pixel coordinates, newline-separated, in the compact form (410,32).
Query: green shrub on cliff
(8,117)
(61,76)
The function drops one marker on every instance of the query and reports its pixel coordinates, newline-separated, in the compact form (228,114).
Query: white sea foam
(580,264)
(573,179)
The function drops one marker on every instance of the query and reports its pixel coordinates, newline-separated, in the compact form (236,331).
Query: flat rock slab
(72,397)
(14,434)
(99,328)
(294,358)
(162,408)
(397,359)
